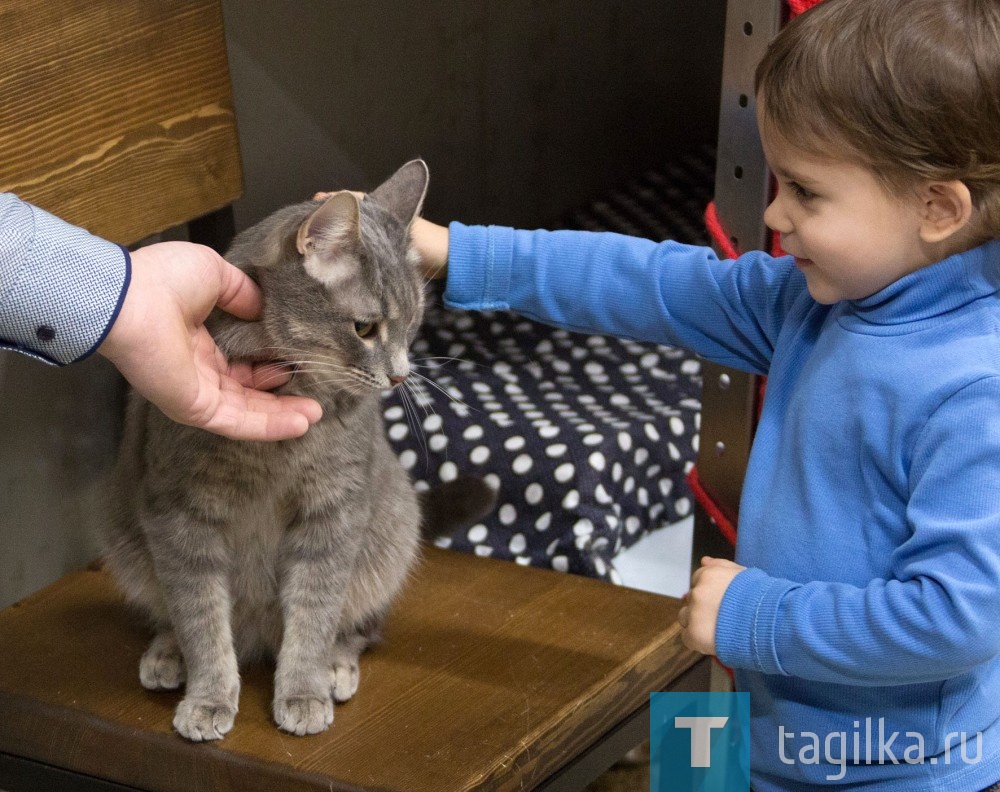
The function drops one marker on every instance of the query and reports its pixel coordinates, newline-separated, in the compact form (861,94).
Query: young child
(862,615)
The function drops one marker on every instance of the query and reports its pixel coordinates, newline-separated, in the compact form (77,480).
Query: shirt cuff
(61,288)
(479,267)
(745,630)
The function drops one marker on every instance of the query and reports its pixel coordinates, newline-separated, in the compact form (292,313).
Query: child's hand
(700,613)
(429,240)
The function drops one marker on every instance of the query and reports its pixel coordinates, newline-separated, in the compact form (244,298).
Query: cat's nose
(397,380)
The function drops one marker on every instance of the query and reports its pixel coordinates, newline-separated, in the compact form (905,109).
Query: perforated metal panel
(741,194)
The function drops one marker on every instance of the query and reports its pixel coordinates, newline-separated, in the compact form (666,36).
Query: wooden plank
(117,115)
(491,676)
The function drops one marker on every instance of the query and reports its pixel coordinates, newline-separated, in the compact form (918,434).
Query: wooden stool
(491,676)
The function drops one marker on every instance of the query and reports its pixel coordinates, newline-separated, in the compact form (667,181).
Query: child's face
(849,235)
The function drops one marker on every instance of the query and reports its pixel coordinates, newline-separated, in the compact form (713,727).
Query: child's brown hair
(910,88)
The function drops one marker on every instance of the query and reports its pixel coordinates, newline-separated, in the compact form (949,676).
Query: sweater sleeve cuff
(479,267)
(63,287)
(745,631)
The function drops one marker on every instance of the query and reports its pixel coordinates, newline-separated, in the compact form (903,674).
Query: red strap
(776,249)
(718,233)
(726,528)
(796,7)
(723,240)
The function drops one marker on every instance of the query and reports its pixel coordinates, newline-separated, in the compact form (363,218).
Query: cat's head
(343,293)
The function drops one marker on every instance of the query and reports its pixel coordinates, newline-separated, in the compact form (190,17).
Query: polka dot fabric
(586,438)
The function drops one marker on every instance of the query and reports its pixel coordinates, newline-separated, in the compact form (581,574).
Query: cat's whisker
(429,410)
(296,354)
(318,367)
(443,390)
(347,381)
(414,422)
(321,370)
(447,360)
(275,367)
(269,349)
(418,393)
(321,365)
(268,380)
(407,410)
(280,348)
(298,365)
(436,357)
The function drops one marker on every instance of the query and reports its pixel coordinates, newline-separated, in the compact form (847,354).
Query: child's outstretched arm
(730,312)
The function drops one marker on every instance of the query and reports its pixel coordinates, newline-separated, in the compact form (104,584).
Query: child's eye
(801,192)
(365,329)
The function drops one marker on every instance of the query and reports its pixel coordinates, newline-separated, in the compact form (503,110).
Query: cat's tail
(453,505)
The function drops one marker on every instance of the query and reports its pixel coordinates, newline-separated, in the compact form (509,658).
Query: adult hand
(700,613)
(160,344)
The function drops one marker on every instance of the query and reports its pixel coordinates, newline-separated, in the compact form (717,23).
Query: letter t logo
(701,736)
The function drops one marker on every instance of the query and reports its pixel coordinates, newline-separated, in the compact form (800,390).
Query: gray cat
(240,551)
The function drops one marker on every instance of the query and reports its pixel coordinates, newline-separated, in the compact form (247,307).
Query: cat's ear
(330,238)
(333,225)
(402,194)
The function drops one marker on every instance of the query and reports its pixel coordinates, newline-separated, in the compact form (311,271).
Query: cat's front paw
(199,720)
(344,678)
(162,666)
(303,715)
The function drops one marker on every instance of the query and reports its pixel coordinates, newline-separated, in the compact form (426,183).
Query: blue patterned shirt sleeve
(61,288)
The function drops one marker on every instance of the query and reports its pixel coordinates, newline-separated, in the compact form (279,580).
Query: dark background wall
(522,109)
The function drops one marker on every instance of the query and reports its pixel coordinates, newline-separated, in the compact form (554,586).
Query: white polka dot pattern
(589,449)
(623,416)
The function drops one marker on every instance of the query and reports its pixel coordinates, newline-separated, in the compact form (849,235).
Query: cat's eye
(365,329)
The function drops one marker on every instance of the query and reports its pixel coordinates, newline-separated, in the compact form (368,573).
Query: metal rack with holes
(742,188)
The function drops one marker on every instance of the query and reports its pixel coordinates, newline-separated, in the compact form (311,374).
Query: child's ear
(946,210)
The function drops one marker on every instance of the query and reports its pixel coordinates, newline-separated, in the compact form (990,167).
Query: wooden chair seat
(491,676)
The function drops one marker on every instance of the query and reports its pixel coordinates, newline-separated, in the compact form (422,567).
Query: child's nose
(775,219)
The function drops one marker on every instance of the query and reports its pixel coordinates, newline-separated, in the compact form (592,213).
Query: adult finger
(262,426)
(238,294)
(259,418)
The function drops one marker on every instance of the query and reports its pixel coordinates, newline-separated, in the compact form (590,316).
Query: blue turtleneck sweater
(866,626)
